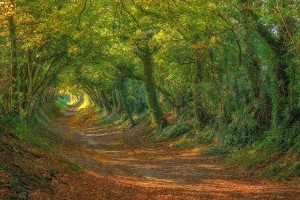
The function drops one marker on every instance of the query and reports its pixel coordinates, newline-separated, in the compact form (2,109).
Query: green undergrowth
(275,156)
(52,109)
(37,130)
(109,121)
(174,131)
(274,166)
(193,139)
(93,116)
(61,105)
(271,153)
(268,152)
(27,157)
(70,162)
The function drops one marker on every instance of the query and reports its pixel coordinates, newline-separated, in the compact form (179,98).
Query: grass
(251,160)
(216,150)
(109,121)
(272,166)
(171,132)
(92,116)
(240,141)
(38,130)
(20,162)
(193,139)
(272,155)
(61,104)
(74,166)
(28,131)
(284,168)
(26,152)
(20,189)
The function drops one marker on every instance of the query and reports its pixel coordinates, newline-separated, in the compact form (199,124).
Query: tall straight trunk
(152,98)
(14,65)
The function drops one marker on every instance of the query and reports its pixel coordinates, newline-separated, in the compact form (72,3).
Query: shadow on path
(126,157)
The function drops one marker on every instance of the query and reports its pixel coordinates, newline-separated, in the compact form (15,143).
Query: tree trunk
(105,102)
(280,78)
(28,95)
(124,101)
(152,99)
(115,101)
(198,107)
(282,82)
(14,66)
(253,68)
(120,107)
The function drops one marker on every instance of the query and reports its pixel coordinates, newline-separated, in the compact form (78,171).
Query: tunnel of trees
(226,68)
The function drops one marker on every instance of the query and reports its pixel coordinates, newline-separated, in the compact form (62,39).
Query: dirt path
(120,164)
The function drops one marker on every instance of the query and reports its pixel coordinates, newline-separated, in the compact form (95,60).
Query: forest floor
(125,164)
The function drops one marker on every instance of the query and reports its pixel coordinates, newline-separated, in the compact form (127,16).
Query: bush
(61,104)
(281,139)
(241,131)
(284,168)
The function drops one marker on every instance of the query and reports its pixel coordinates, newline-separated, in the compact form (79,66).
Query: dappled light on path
(144,170)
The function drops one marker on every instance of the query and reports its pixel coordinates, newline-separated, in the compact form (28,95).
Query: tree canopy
(228,63)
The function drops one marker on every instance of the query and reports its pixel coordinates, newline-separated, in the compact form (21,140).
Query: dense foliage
(228,68)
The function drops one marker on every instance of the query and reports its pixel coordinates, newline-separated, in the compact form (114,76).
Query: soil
(124,164)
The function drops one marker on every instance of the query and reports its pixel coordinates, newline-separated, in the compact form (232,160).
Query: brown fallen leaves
(125,165)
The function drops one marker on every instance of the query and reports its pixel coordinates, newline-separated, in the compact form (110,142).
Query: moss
(20,189)
(172,132)
(192,140)
(74,166)
(216,150)
(251,159)
(284,168)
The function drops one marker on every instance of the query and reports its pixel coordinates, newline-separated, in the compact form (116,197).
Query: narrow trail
(121,164)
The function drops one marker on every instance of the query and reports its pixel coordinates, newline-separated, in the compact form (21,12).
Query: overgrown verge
(257,149)
(27,159)
(93,116)
(246,143)
(275,156)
